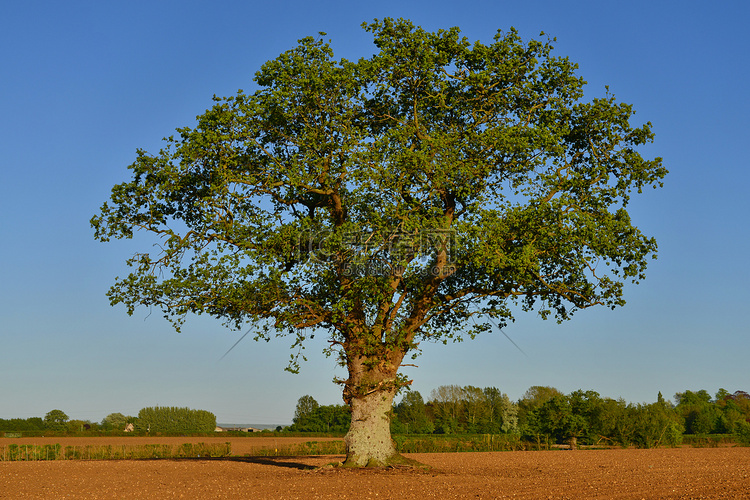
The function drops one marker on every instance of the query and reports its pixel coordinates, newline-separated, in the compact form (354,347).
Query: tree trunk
(573,443)
(369,392)
(368,442)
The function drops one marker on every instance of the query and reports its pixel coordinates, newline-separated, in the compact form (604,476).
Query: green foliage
(80,426)
(116,421)
(307,448)
(19,453)
(734,408)
(423,193)
(742,433)
(583,417)
(309,416)
(459,443)
(701,397)
(55,420)
(700,414)
(710,440)
(447,408)
(426,193)
(33,424)
(173,420)
(612,423)
(410,416)
(534,397)
(14,452)
(457,409)
(503,413)
(655,425)
(306,407)
(559,419)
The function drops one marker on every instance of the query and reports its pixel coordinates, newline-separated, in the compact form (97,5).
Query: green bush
(303,449)
(172,420)
(15,452)
(34,424)
(742,433)
(458,443)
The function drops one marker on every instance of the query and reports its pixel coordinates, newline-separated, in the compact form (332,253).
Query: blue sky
(83,84)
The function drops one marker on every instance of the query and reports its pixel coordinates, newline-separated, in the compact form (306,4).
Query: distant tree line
(542,414)
(55,421)
(32,424)
(724,414)
(584,417)
(459,410)
(545,414)
(163,420)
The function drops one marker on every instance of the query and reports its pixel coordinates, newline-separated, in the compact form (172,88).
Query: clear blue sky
(83,84)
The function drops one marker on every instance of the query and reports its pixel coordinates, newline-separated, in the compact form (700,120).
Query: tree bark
(573,443)
(368,442)
(369,392)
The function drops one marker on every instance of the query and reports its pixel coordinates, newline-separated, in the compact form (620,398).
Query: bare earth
(661,473)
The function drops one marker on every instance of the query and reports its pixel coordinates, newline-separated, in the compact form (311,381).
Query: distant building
(129,428)
(236,429)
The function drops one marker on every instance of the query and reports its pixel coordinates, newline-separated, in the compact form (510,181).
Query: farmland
(722,472)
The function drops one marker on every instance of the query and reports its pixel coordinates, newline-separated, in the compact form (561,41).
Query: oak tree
(427,192)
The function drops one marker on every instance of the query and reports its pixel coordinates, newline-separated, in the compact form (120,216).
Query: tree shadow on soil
(334,464)
(287,462)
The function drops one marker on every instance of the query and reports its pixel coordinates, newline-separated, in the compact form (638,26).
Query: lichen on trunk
(368,442)
(369,392)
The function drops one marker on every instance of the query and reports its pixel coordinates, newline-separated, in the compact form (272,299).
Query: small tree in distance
(427,193)
(412,416)
(116,421)
(306,406)
(304,413)
(56,420)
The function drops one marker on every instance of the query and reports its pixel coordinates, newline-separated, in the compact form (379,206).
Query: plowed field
(660,473)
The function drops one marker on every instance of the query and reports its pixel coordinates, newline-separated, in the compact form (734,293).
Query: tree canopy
(426,193)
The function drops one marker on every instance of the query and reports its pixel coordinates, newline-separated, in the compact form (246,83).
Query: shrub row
(24,452)
(459,443)
(303,449)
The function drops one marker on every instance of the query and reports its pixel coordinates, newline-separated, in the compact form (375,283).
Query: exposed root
(396,461)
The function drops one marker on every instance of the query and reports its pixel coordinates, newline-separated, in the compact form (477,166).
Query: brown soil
(661,473)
